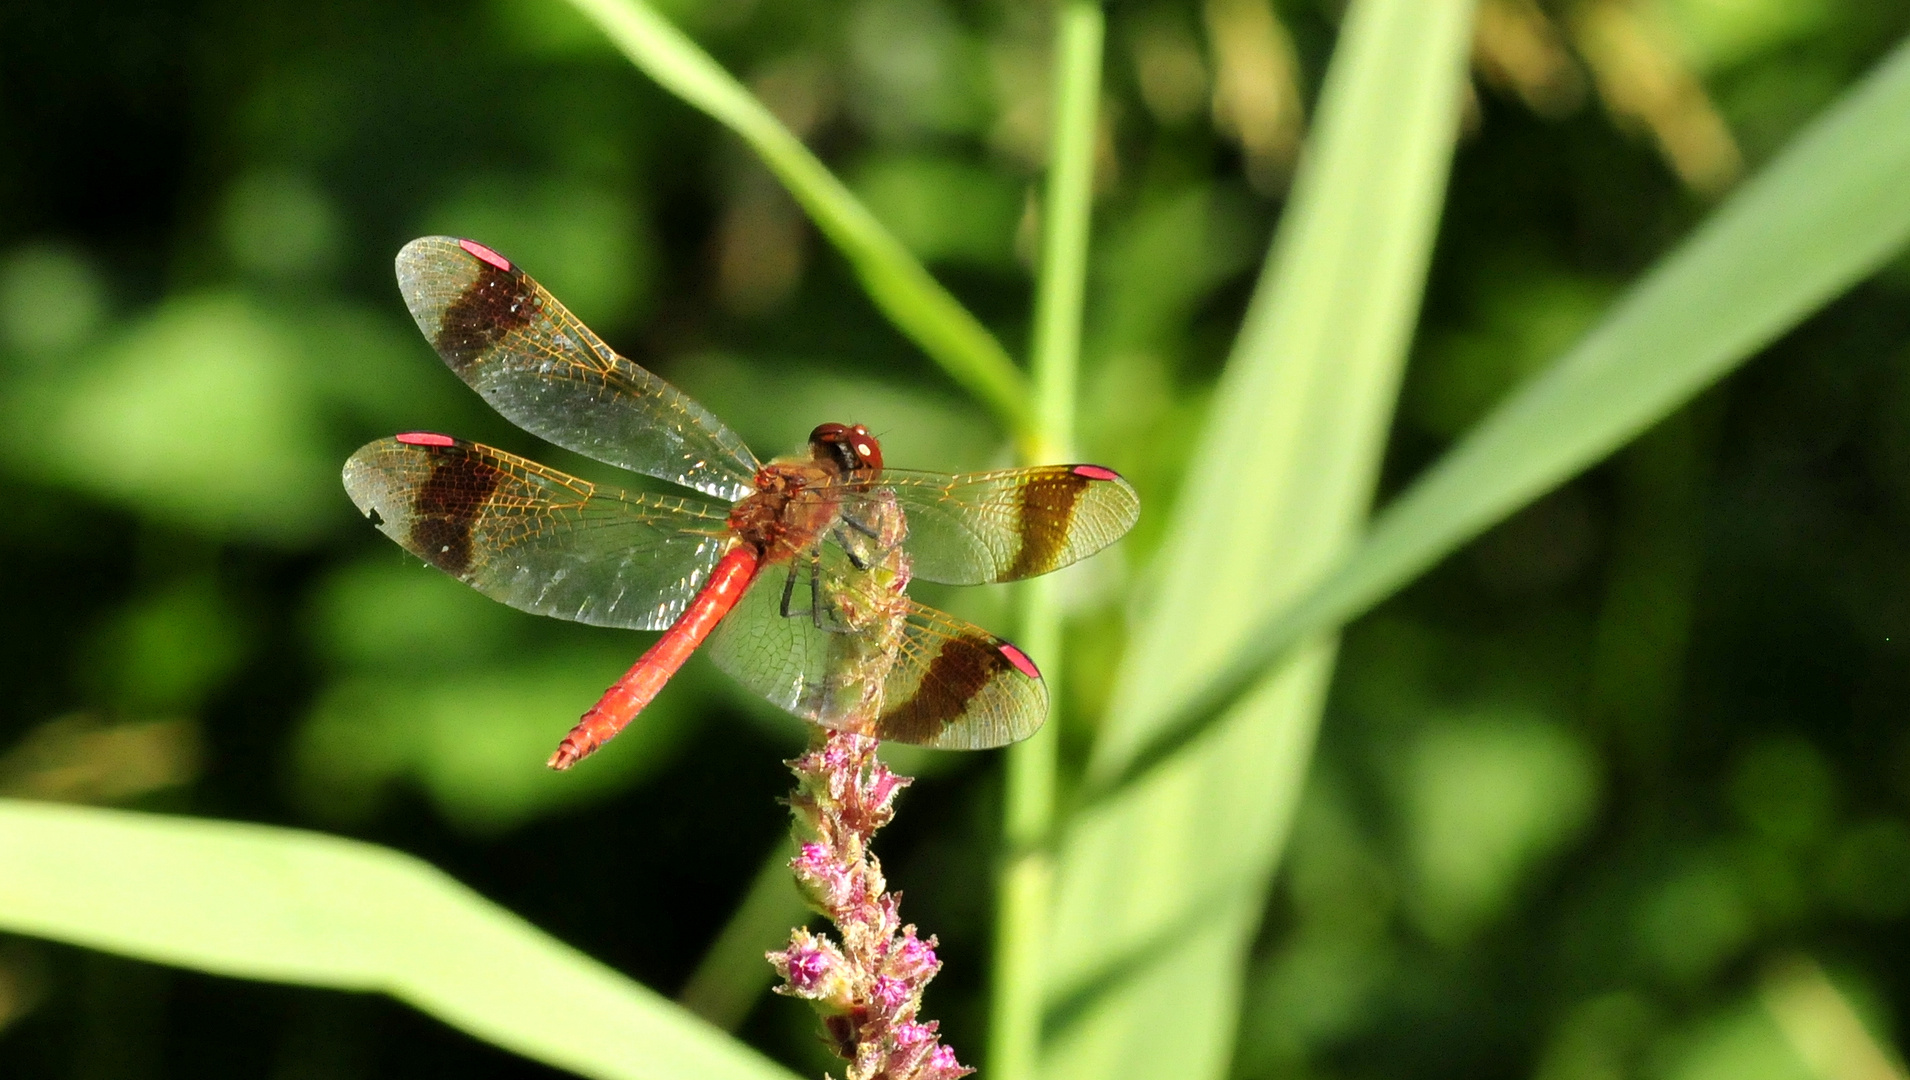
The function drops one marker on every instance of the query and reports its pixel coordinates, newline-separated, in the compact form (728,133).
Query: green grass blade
(299,907)
(905,291)
(1159,889)
(1025,897)
(1826,213)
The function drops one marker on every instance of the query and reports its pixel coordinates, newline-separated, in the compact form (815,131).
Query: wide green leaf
(1822,216)
(1159,889)
(300,907)
(905,291)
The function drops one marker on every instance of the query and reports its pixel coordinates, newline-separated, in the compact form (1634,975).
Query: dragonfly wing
(789,659)
(535,538)
(955,686)
(832,645)
(534,362)
(974,528)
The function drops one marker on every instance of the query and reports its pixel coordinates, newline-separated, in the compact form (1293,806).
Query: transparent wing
(549,374)
(835,646)
(535,538)
(974,528)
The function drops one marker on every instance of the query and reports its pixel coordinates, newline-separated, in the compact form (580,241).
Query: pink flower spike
(834,758)
(884,788)
(813,968)
(908,1049)
(868,988)
(808,968)
(823,876)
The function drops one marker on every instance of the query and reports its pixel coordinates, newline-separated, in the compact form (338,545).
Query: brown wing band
(1047,512)
(959,672)
(447,505)
(496,303)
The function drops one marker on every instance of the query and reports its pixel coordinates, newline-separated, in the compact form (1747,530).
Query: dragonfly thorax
(790,509)
(797,499)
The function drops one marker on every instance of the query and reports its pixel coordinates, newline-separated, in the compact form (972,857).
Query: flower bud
(913,959)
(813,968)
(941,1065)
(890,996)
(829,884)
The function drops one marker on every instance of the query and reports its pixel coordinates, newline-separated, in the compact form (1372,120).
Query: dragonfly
(791,574)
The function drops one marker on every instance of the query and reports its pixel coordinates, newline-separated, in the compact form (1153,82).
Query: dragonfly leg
(789,595)
(858,525)
(819,613)
(825,609)
(849,548)
(815,588)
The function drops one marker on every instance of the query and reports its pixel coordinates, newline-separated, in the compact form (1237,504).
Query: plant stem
(1028,815)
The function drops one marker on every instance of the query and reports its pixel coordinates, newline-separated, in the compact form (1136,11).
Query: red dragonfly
(795,573)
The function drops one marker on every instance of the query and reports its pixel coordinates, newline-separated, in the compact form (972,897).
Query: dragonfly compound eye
(828,433)
(867,450)
(850,448)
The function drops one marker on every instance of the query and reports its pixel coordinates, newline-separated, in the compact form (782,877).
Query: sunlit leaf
(1827,212)
(165,652)
(475,742)
(942,208)
(1486,795)
(1160,887)
(280,224)
(51,298)
(912,70)
(1743,1044)
(289,906)
(436,687)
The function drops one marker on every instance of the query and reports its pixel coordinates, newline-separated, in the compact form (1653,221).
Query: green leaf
(300,907)
(900,286)
(1829,211)
(1159,889)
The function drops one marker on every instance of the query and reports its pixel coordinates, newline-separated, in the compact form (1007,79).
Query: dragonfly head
(849,448)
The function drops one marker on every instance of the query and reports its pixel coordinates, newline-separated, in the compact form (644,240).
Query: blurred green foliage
(1578,789)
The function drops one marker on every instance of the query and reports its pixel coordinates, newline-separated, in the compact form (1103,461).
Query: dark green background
(1576,788)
